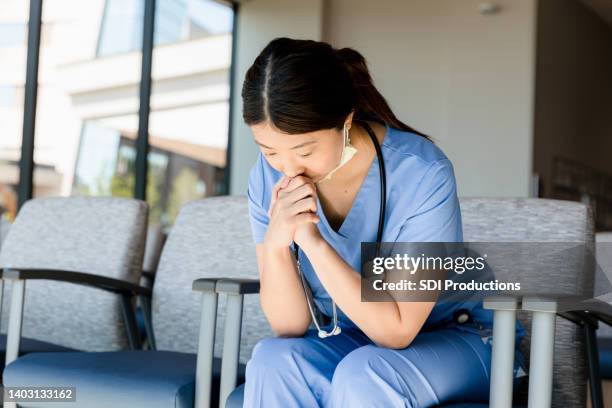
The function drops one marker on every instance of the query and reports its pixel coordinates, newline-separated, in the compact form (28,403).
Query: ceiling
(601,7)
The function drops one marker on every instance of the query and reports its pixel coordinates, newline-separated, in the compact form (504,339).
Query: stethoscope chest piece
(336,331)
(462,316)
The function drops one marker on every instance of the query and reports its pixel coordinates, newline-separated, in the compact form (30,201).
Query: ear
(349,119)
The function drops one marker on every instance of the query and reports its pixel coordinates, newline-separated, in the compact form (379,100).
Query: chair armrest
(205,284)
(544,309)
(235,289)
(100,282)
(238,286)
(589,311)
(501,303)
(206,340)
(502,354)
(126,291)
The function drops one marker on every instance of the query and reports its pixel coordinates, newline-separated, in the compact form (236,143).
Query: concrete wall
(574,88)
(462,77)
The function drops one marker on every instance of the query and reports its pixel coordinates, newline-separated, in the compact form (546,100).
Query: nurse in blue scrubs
(316,184)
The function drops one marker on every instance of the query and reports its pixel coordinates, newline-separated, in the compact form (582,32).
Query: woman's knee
(367,376)
(273,354)
(359,365)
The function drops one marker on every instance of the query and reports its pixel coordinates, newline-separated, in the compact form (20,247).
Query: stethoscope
(381,220)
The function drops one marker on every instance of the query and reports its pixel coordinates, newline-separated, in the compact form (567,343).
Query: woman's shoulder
(402,144)
(414,161)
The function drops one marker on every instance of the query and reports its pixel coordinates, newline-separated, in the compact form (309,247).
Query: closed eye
(305,155)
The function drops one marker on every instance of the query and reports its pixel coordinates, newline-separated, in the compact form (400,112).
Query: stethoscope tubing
(381,221)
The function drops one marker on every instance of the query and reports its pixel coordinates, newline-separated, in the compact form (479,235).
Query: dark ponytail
(371,105)
(302,86)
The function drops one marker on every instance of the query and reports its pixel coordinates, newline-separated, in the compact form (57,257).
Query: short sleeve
(258,216)
(435,215)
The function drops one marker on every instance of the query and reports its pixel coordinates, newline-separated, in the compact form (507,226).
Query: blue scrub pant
(349,370)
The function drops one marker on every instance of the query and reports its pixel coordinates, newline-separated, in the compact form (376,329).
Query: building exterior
(88,99)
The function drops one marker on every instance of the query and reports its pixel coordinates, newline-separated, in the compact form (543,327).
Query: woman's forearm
(380,321)
(281,294)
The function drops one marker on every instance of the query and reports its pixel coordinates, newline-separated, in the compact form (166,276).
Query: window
(88,99)
(13,36)
(86,102)
(188,124)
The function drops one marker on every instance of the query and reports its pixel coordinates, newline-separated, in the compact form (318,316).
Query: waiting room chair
(518,220)
(208,238)
(55,244)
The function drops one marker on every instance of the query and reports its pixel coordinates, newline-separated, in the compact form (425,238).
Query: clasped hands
(293,213)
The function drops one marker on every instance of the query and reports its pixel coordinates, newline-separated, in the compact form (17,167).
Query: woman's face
(309,154)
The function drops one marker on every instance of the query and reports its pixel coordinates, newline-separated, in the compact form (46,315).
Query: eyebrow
(294,147)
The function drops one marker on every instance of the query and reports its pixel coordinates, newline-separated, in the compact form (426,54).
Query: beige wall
(464,78)
(574,88)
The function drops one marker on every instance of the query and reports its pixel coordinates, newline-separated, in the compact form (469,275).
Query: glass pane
(13,48)
(189,104)
(87,100)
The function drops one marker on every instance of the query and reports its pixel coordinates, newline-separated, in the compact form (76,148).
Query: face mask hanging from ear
(348,151)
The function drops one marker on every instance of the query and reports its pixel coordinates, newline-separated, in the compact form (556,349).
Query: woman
(316,184)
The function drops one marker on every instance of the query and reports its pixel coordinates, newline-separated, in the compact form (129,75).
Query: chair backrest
(210,238)
(155,242)
(97,235)
(541,220)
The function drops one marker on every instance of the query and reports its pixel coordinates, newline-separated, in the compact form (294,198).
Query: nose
(291,169)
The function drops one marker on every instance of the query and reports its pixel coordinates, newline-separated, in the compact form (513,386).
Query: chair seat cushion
(32,346)
(234,400)
(118,379)
(27,346)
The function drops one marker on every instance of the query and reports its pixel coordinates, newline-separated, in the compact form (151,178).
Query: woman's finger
(307,204)
(306,217)
(303,191)
(280,184)
(297,182)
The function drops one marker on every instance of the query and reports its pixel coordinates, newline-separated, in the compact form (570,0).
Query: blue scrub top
(422,206)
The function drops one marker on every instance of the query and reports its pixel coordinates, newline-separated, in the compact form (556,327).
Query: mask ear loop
(347,136)
(348,151)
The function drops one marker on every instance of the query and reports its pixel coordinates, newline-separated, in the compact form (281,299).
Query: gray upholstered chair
(208,238)
(484,220)
(56,244)
(543,221)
